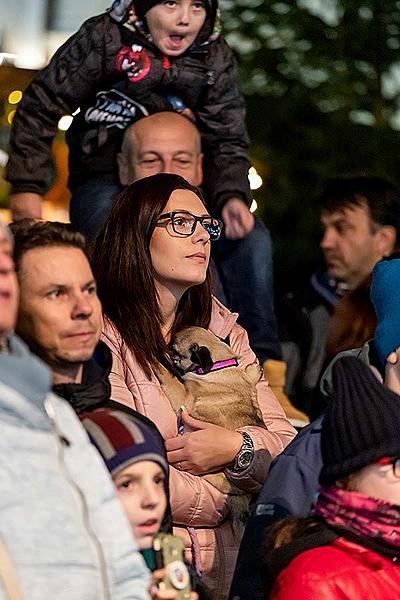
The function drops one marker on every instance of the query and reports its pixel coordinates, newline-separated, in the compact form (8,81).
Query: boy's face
(141,490)
(175,24)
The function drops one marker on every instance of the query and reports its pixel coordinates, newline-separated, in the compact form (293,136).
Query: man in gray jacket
(61,522)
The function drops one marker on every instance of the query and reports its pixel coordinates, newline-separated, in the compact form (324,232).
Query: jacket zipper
(62,442)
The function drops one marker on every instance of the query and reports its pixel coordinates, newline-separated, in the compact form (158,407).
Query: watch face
(245,459)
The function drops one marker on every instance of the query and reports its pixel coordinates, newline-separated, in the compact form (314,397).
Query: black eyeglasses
(395,462)
(183,222)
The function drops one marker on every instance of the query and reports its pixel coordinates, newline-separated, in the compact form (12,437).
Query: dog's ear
(200,355)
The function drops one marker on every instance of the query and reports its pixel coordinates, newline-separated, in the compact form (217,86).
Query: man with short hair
(59,314)
(361,221)
(54,489)
(167,142)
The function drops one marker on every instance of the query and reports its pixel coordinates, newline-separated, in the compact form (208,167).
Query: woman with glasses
(349,549)
(150,261)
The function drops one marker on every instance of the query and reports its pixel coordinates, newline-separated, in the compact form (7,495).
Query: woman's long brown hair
(125,276)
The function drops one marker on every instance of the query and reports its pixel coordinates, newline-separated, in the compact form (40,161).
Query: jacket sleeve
(59,89)
(194,501)
(221,120)
(278,432)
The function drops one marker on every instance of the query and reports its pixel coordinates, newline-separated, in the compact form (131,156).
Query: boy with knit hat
(135,456)
(138,58)
(136,460)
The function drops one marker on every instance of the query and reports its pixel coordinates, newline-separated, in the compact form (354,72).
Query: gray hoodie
(60,520)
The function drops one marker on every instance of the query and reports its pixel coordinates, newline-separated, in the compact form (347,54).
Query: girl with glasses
(151,262)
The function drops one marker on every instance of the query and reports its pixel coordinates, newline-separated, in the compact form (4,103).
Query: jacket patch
(114,109)
(133,61)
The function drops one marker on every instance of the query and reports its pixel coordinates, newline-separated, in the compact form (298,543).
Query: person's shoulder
(305,443)
(319,564)
(217,50)
(337,559)
(363,353)
(103,19)
(110,332)
(101,25)
(342,568)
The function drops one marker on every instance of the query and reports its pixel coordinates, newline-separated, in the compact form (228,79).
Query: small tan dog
(217,391)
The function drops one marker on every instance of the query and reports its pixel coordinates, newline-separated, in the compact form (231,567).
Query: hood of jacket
(123,11)
(26,376)
(95,389)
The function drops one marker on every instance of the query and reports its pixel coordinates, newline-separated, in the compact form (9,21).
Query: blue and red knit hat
(123,439)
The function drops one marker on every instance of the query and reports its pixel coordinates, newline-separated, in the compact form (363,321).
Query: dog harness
(217,366)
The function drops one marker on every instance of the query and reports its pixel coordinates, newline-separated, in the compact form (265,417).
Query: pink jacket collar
(222,320)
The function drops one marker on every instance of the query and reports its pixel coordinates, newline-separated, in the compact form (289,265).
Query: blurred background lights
(7,57)
(10,116)
(253,206)
(254,179)
(65,122)
(15,97)
(3,158)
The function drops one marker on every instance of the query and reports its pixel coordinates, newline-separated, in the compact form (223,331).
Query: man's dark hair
(380,196)
(30,234)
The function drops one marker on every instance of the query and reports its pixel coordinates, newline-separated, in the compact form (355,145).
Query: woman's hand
(207,448)
(157,594)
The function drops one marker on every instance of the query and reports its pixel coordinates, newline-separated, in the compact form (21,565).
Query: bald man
(167,142)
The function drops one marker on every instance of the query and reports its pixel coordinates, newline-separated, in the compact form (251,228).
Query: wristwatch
(245,455)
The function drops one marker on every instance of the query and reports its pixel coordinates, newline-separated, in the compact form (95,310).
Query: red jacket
(342,571)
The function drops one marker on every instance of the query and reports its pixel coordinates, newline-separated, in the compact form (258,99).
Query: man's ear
(123,171)
(387,237)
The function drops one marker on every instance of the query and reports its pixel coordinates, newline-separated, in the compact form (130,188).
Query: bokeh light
(254,179)
(15,97)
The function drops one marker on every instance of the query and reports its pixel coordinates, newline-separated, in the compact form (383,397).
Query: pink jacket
(195,502)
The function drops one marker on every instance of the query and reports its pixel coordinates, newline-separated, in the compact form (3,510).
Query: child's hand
(392,371)
(155,592)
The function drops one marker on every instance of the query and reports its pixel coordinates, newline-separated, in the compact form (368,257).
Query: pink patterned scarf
(366,516)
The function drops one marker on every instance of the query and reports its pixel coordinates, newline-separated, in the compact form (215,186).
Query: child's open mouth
(176,40)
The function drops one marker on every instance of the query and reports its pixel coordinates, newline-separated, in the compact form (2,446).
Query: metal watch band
(246,448)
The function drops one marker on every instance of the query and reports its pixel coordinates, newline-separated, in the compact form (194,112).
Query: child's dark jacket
(84,74)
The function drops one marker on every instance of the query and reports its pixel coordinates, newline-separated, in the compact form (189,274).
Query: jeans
(244,266)
(91,203)
(246,272)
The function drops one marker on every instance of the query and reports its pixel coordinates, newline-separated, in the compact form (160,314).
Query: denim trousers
(245,268)
(242,270)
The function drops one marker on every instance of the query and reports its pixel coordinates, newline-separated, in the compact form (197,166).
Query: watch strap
(246,448)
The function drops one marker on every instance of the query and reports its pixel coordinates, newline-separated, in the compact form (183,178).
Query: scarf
(368,517)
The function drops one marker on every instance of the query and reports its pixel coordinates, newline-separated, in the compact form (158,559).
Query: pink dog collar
(217,366)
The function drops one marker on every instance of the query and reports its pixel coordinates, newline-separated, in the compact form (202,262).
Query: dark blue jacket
(290,489)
